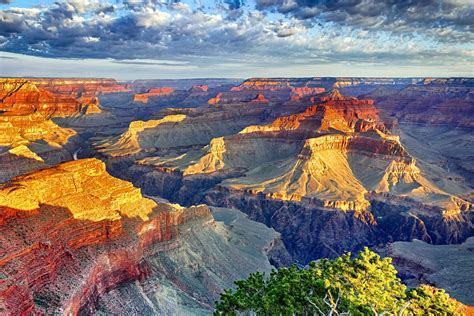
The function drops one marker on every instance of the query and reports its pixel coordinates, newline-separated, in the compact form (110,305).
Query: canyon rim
(152,153)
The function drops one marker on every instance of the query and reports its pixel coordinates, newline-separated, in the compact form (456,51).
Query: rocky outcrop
(79,87)
(155,92)
(307,91)
(265,84)
(200,88)
(180,131)
(444,266)
(22,97)
(57,97)
(215,100)
(187,280)
(22,130)
(310,231)
(336,161)
(433,102)
(71,233)
(260,98)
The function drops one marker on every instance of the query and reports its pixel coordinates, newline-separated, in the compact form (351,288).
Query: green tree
(364,285)
(428,300)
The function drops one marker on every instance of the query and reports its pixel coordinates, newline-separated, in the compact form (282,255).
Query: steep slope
(187,280)
(72,233)
(80,87)
(183,129)
(27,111)
(445,266)
(337,155)
(23,97)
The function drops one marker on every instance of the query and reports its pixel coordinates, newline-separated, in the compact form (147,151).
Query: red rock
(21,97)
(215,100)
(260,98)
(52,261)
(155,92)
(80,87)
(264,84)
(306,91)
(200,88)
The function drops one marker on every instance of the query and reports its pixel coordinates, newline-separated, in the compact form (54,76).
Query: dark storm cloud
(422,16)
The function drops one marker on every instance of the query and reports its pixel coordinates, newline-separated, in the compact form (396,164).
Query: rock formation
(336,156)
(156,92)
(330,164)
(22,97)
(79,87)
(200,88)
(260,98)
(444,266)
(196,128)
(71,233)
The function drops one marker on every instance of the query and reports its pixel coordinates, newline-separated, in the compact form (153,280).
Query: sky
(130,39)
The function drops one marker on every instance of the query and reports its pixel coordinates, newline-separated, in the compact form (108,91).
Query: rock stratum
(318,165)
(336,158)
(73,233)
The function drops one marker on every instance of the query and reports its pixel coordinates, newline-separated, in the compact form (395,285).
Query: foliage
(428,300)
(364,285)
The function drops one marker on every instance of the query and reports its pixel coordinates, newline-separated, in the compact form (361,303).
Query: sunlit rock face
(80,87)
(330,164)
(71,233)
(22,97)
(184,129)
(334,157)
(156,92)
(27,114)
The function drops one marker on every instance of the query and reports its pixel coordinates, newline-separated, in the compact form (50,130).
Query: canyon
(151,196)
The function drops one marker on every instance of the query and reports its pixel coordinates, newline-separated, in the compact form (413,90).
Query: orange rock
(53,259)
(200,88)
(260,98)
(155,92)
(306,91)
(215,100)
(264,84)
(79,87)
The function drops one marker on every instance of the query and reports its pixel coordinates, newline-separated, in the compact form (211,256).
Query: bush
(364,285)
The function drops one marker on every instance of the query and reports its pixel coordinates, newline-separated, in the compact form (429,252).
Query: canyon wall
(72,233)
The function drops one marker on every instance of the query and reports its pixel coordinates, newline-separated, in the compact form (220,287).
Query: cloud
(453,18)
(259,35)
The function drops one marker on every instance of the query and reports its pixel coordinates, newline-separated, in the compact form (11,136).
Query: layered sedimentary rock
(22,97)
(21,130)
(307,91)
(432,101)
(444,266)
(260,98)
(156,92)
(193,129)
(72,233)
(336,160)
(79,87)
(28,117)
(186,280)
